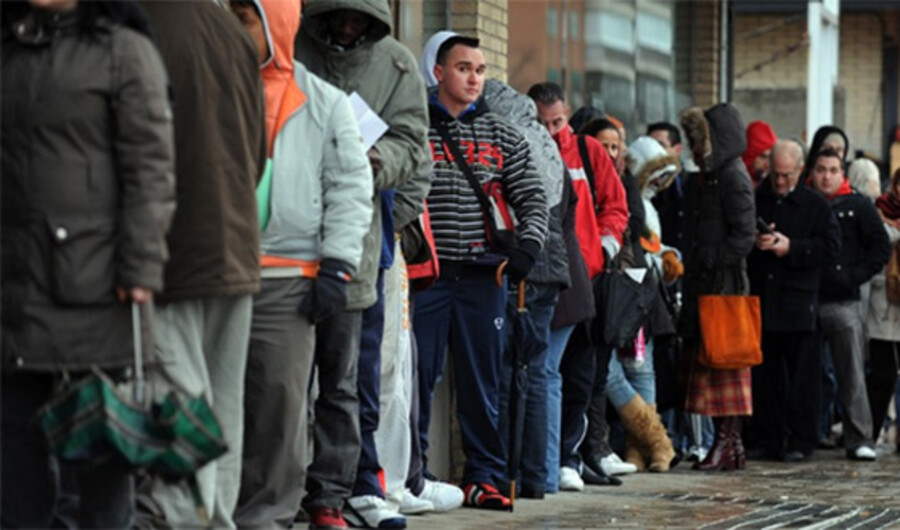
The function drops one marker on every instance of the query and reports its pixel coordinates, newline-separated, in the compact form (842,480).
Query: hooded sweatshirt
(760,138)
(816,146)
(383,72)
(321,180)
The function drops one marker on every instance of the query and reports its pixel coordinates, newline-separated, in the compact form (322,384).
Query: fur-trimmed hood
(716,135)
(649,163)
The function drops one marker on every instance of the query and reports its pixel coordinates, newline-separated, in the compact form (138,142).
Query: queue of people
(314,280)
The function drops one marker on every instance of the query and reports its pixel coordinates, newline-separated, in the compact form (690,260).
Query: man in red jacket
(601,216)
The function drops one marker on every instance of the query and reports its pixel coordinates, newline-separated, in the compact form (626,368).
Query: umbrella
(525,345)
(91,419)
(624,304)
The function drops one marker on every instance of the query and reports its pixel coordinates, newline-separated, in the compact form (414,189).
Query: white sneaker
(613,465)
(412,505)
(570,479)
(443,497)
(864,452)
(369,511)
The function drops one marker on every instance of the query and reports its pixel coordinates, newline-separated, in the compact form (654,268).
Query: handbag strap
(588,168)
(464,167)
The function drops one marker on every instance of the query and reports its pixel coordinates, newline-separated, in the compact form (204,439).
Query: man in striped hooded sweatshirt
(466,307)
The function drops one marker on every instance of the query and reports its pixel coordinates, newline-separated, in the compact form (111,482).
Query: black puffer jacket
(865,248)
(87,188)
(719,211)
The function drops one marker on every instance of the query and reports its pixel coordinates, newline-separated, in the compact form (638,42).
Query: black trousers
(103,494)
(787,391)
(884,361)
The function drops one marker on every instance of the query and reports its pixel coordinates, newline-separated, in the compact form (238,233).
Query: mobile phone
(762,227)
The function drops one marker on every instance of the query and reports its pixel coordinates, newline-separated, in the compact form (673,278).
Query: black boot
(594,475)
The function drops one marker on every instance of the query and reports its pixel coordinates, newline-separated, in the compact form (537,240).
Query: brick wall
(776,61)
(487,20)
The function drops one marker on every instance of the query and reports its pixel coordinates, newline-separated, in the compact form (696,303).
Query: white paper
(636,274)
(371,126)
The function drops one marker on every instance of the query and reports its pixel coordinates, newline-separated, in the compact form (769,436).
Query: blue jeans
(540,300)
(625,382)
(556,346)
(368,387)
(466,309)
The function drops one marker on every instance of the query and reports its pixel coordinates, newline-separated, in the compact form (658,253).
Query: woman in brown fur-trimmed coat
(720,234)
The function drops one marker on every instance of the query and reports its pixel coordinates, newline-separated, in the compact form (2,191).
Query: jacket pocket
(82,261)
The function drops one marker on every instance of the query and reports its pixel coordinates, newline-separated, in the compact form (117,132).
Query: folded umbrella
(526,344)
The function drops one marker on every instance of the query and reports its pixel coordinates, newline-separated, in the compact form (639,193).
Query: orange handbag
(731,330)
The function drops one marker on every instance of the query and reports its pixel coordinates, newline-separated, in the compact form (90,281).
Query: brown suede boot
(641,421)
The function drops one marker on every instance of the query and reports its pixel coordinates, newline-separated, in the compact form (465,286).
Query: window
(654,32)
(609,29)
(653,99)
(552,22)
(554,75)
(612,93)
(574,25)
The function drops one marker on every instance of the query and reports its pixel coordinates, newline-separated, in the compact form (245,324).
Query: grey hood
(520,111)
(377,9)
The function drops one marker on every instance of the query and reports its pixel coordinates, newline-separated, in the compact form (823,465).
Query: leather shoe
(795,456)
(594,479)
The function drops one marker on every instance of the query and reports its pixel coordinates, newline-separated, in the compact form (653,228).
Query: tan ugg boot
(633,453)
(661,451)
(642,422)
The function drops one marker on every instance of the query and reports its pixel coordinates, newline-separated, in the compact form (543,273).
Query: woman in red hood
(760,139)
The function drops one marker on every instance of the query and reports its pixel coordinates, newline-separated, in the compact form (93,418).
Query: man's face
(827,175)
(761,162)
(662,136)
(347,25)
(785,173)
(461,77)
(554,116)
(611,142)
(249,18)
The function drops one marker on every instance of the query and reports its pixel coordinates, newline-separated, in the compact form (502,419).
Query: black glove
(521,260)
(329,293)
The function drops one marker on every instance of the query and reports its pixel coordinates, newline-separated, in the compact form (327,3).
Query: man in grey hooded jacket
(348,43)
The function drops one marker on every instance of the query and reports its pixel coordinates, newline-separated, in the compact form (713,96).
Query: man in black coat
(785,268)
(864,251)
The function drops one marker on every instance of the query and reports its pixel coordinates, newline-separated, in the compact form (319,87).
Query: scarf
(889,204)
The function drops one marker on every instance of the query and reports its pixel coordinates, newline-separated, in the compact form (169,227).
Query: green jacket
(385,74)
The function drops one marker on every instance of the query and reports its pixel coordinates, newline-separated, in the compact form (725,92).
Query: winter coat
(87,189)
(551,265)
(383,72)
(321,201)
(608,217)
(720,221)
(575,303)
(669,205)
(220,141)
(883,318)
(864,248)
(789,286)
(495,152)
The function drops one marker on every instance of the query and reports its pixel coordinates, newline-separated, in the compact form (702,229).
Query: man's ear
(439,72)
(568,111)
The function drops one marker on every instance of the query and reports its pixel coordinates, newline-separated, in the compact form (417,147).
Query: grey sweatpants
(282,346)
(842,327)
(201,345)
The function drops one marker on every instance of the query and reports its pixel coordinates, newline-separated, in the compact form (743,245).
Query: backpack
(892,277)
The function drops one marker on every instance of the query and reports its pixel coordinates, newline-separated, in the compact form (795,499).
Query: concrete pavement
(827,492)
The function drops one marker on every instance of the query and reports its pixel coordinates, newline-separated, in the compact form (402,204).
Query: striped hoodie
(496,152)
